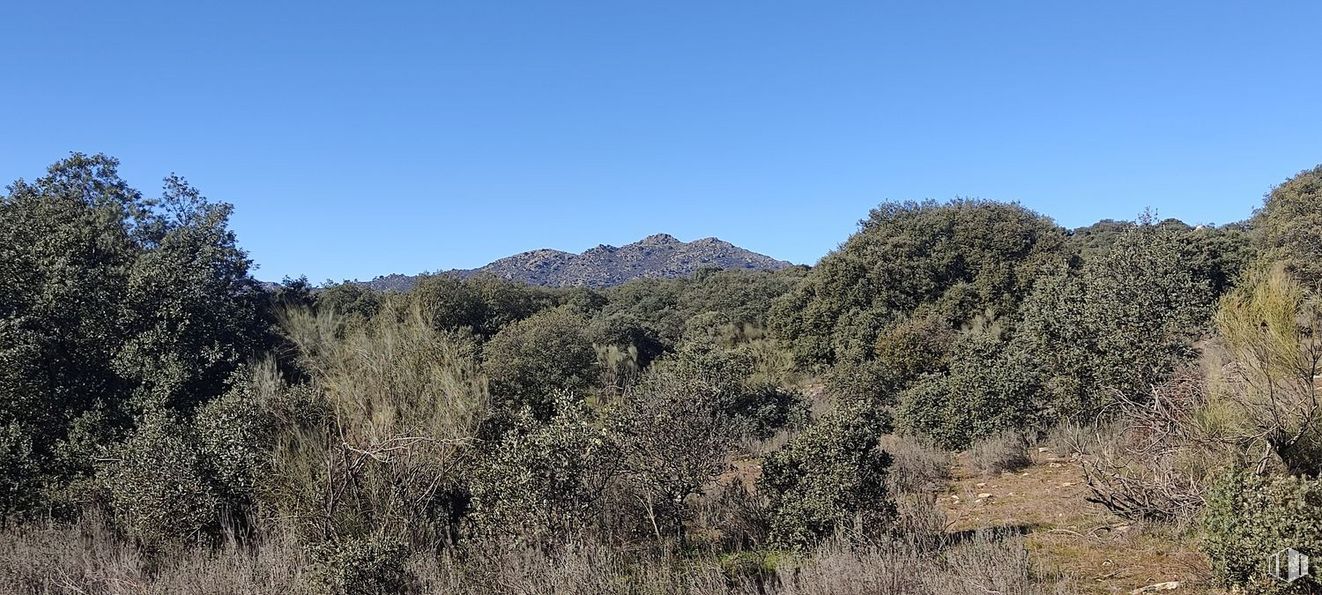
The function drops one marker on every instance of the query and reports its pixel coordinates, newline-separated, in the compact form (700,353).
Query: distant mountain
(656,256)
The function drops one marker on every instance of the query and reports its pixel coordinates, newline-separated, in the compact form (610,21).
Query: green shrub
(373,565)
(159,485)
(18,471)
(964,258)
(990,387)
(830,478)
(532,359)
(236,432)
(1250,517)
(542,480)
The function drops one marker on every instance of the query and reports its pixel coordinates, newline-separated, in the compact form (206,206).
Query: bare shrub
(920,520)
(987,562)
(87,559)
(1005,451)
(1155,461)
(917,465)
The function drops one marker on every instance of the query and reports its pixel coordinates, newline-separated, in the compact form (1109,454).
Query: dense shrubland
(166,421)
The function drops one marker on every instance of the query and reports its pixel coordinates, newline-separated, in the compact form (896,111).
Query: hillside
(656,256)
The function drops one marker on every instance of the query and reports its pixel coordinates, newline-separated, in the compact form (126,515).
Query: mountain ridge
(657,256)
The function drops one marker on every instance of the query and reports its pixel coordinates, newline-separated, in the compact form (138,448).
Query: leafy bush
(1122,323)
(542,480)
(990,387)
(159,484)
(1291,225)
(19,473)
(531,360)
(236,432)
(373,565)
(1250,517)
(965,258)
(830,478)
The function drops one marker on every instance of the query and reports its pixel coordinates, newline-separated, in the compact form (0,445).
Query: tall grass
(86,558)
(403,402)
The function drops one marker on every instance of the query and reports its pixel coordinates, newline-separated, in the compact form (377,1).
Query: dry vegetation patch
(1096,551)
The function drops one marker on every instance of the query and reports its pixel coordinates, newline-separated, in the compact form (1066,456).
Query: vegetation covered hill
(658,256)
(962,387)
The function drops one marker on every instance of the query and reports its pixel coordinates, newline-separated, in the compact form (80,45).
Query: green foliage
(370,565)
(627,333)
(1214,253)
(666,307)
(112,304)
(1250,517)
(1122,323)
(906,351)
(966,258)
(237,432)
(349,300)
(542,480)
(830,478)
(991,386)
(1290,225)
(531,360)
(482,305)
(191,309)
(19,473)
(159,485)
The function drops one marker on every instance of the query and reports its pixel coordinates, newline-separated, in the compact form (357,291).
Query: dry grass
(985,562)
(1006,451)
(917,466)
(87,559)
(1097,551)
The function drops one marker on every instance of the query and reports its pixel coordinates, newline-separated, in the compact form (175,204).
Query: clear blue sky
(361,138)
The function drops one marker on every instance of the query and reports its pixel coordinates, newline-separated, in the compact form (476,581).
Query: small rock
(1066,484)
(1166,586)
(984,496)
(1042,449)
(980,485)
(1053,464)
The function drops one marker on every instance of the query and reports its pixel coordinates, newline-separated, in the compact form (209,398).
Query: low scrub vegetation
(168,424)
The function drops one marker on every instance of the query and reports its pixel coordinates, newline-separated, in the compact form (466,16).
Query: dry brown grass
(1095,550)
(986,562)
(916,465)
(87,559)
(1006,451)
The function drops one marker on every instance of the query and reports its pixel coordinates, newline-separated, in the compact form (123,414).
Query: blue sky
(365,138)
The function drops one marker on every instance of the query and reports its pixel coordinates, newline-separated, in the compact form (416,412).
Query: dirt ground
(1067,536)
